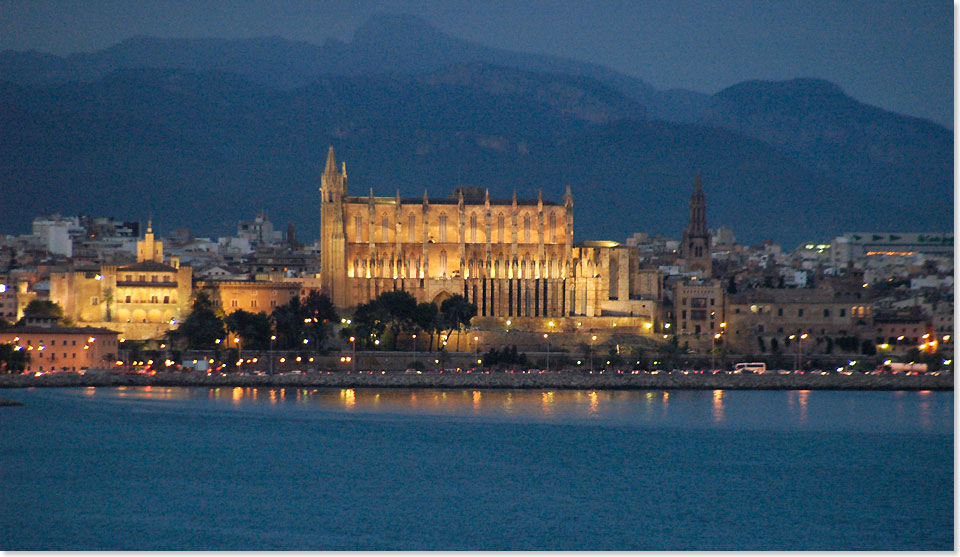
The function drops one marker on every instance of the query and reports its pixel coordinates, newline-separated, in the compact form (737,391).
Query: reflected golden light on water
(718,406)
(237,394)
(594,403)
(349,398)
(546,402)
(476,400)
(90,391)
(802,400)
(273,396)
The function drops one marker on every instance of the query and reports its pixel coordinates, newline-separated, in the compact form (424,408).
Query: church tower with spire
(695,245)
(333,243)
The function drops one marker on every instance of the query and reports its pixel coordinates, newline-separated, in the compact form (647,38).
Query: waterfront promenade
(496,380)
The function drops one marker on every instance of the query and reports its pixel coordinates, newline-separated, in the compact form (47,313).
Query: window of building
(95,301)
(473,228)
(411,228)
(800,312)
(153,278)
(273,303)
(166,299)
(779,312)
(826,313)
(234,303)
(500,237)
(442,231)
(843,312)
(153,299)
(443,263)
(384,227)
(526,229)
(126,299)
(143,278)
(553,227)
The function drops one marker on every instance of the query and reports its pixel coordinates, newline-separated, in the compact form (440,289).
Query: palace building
(511,257)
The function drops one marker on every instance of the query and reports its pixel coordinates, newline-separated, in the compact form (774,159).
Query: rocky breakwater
(496,380)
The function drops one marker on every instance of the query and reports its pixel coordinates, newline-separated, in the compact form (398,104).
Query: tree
(426,319)
(320,311)
(732,286)
(12,358)
(288,320)
(369,322)
(45,308)
(456,312)
(400,308)
(201,329)
(252,328)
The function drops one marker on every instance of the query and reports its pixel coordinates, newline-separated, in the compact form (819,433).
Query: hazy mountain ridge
(244,125)
(146,140)
(385,44)
(868,149)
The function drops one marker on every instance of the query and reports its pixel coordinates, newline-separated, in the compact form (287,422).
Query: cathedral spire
(332,162)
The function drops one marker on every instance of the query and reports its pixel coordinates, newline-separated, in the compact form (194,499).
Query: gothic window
(411,227)
(500,228)
(442,232)
(443,259)
(526,229)
(384,227)
(553,227)
(523,269)
(473,228)
(166,299)
(553,269)
(358,223)
(496,267)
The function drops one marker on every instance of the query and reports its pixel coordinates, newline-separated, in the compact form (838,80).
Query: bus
(750,367)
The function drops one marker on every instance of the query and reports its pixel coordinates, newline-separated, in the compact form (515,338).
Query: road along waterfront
(499,380)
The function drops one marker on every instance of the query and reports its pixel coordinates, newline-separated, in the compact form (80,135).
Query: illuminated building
(511,257)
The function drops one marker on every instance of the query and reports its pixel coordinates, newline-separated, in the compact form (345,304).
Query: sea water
(397,469)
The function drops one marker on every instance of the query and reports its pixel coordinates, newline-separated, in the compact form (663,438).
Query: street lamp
(272,338)
(353,341)
(800,346)
(593,339)
(799,354)
(547,338)
(476,348)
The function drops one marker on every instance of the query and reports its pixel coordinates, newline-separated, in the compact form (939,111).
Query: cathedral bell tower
(695,246)
(333,243)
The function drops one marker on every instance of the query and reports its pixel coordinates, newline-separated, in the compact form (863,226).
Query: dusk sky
(894,54)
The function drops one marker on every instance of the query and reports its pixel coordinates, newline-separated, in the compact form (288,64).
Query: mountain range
(203,133)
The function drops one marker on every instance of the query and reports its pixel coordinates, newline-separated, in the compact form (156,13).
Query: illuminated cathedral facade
(511,257)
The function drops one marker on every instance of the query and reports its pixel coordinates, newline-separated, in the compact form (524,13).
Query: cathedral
(511,257)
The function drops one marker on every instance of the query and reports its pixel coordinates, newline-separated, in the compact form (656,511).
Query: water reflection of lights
(594,403)
(349,397)
(718,406)
(802,400)
(476,400)
(237,394)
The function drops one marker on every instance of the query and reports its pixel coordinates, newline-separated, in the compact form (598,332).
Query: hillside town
(119,289)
